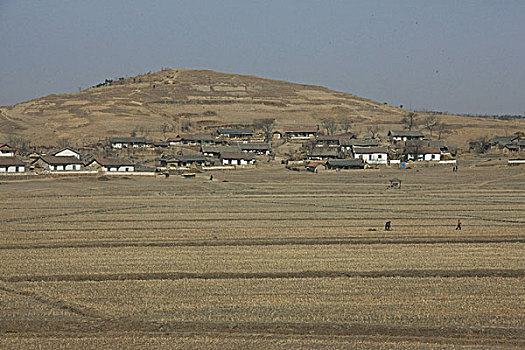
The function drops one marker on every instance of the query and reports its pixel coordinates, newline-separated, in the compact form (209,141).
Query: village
(299,148)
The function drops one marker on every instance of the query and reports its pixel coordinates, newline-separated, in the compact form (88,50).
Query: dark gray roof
(127,139)
(370,150)
(190,158)
(320,152)
(405,133)
(356,142)
(237,155)
(220,148)
(255,146)
(11,161)
(346,162)
(60,160)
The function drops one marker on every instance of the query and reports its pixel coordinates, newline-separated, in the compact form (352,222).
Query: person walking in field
(458,227)
(388,226)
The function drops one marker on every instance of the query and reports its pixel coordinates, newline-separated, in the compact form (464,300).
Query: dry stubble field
(265,258)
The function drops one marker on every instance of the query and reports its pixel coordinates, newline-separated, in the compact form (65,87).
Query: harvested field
(265,258)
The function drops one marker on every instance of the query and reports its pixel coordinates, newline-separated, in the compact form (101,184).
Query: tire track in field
(102,277)
(52,302)
(473,336)
(356,240)
(79,212)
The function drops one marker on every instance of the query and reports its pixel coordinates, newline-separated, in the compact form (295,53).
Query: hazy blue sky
(456,56)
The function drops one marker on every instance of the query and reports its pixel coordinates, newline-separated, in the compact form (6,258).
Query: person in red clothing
(458,227)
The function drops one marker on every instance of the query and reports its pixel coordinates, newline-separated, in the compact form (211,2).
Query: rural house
(396,136)
(61,163)
(256,148)
(347,145)
(339,164)
(6,150)
(237,158)
(322,153)
(181,161)
(191,140)
(314,167)
(111,165)
(240,134)
(216,150)
(11,165)
(301,132)
(371,155)
(423,153)
(331,140)
(127,142)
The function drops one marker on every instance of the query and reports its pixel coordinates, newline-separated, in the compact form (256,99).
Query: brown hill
(161,104)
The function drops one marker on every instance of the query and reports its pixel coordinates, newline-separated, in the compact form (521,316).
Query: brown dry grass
(97,113)
(268,259)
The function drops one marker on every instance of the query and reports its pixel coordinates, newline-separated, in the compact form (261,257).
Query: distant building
(181,161)
(11,165)
(111,165)
(6,150)
(256,147)
(127,142)
(371,155)
(237,158)
(345,164)
(232,133)
(191,140)
(216,150)
(60,163)
(322,153)
(423,153)
(396,136)
(301,132)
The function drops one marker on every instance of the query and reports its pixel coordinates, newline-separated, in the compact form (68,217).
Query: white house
(66,152)
(6,150)
(111,165)
(256,147)
(11,165)
(127,142)
(404,135)
(371,155)
(237,158)
(62,163)
(423,153)
(301,133)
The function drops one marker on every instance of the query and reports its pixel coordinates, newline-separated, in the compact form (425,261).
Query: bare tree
(479,145)
(329,125)
(266,125)
(442,129)
(19,143)
(431,123)
(164,128)
(63,142)
(410,120)
(373,130)
(345,124)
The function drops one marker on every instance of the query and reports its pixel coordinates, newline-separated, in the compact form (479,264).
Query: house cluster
(348,152)
(66,160)
(507,144)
